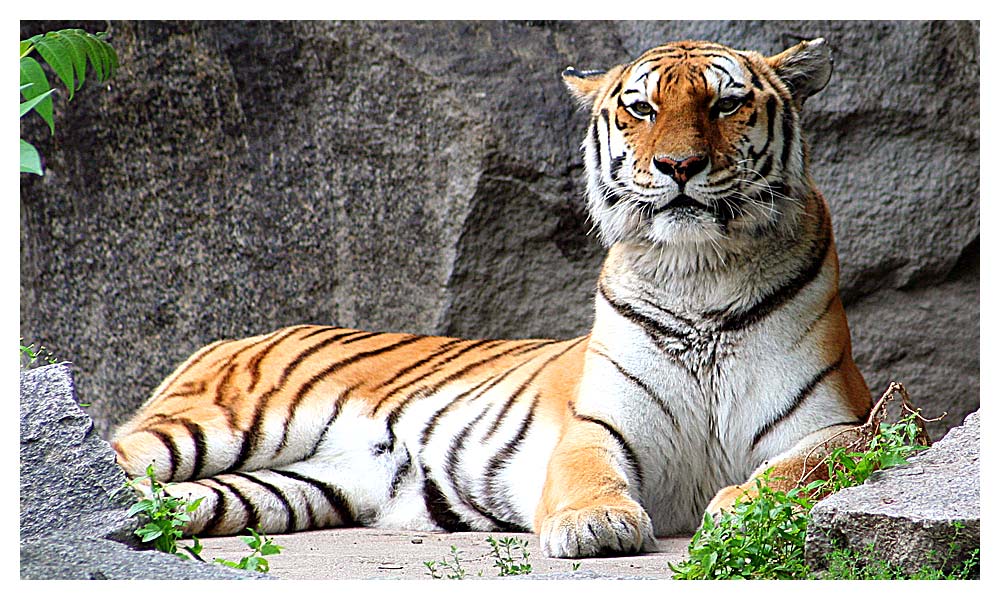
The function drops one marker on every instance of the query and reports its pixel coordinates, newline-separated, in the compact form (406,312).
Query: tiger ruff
(719,348)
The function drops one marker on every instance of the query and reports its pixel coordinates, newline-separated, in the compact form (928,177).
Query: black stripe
(796,402)
(196,359)
(630,456)
(771,108)
(338,404)
(687,322)
(497,464)
(253,515)
(324,329)
(524,385)
(364,336)
(291,522)
(451,470)
(774,300)
(401,470)
(816,320)
(252,436)
(219,509)
(787,131)
(254,364)
(200,447)
(426,391)
(444,349)
(595,141)
(439,508)
(335,497)
(765,170)
(223,395)
(641,385)
(653,328)
(189,388)
(616,165)
(168,443)
(432,423)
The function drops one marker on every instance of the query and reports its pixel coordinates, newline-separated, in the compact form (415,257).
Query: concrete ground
(358,553)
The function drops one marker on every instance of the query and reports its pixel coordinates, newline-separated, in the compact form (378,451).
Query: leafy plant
(166,517)
(760,538)
(504,551)
(30,355)
(847,564)
(255,561)
(764,537)
(67,53)
(451,567)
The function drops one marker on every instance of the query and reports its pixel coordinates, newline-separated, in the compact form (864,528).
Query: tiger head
(694,143)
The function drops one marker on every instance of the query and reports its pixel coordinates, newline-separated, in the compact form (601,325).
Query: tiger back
(719,348)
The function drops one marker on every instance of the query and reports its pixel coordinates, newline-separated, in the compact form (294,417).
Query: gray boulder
(74,523)
(907,515)
(236,177)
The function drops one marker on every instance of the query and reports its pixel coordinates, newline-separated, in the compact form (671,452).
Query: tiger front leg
(586,507)
(798,466)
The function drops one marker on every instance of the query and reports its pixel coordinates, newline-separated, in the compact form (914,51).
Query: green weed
(255,561)
(166,517)
(504,552)
(450,568)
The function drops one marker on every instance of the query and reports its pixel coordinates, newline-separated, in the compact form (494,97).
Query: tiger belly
(311,427)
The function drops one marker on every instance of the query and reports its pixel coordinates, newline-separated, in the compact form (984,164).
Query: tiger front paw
(597,531)
(725,499)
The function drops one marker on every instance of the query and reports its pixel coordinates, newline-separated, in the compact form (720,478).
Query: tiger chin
(719,349)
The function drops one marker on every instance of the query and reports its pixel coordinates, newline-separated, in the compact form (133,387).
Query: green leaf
(102,55)
(270,549)
(151,534)
(142,505)
(54,51)
(27,106)
(30,161)
(33,75)
(77,49)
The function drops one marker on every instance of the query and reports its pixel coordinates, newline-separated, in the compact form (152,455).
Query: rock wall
(235,177)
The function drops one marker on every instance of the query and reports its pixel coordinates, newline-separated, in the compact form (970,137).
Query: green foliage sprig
(505,557)
(166,517)
(261,546)
(449,568)
(67,53)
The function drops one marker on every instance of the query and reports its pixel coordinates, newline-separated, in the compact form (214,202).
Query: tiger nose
(680,170)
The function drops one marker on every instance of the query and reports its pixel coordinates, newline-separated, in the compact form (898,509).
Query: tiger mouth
(685,203)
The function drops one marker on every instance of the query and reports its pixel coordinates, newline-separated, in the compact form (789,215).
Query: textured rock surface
(908,513)
(73,512)
(236,177)
(69,478)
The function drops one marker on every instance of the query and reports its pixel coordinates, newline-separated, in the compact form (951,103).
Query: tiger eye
(641,108)
(726,106)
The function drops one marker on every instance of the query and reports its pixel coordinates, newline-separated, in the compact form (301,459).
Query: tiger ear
(587,86)
(805,68)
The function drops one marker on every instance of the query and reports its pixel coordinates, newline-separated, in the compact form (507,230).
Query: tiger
(719,351)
